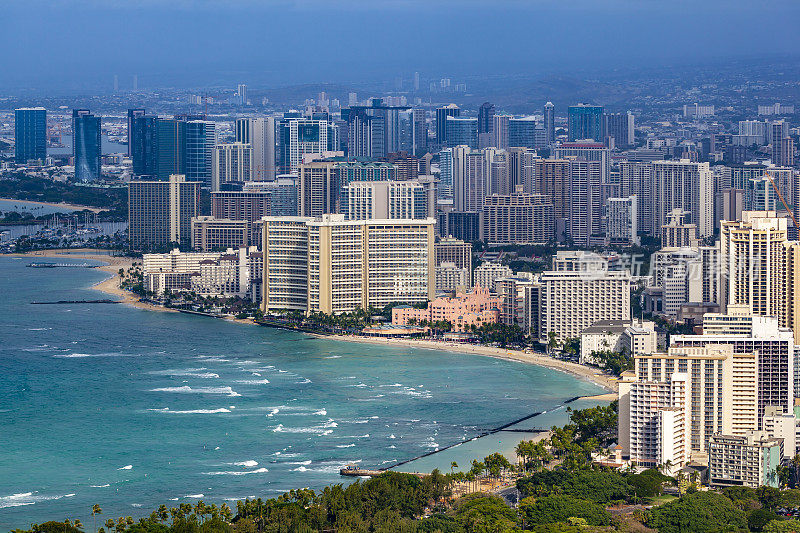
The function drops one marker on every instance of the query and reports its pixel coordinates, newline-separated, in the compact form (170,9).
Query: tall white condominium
(470,178)
(772,344)
(232,162)
(486,274)
(675,401)
(260,134)
(500,131)
(579,291)
(751,260)
(683,185)
(306,137)
(385,200)
(332,265)
(622,220)
(586,210)
(635,179)
(723,382)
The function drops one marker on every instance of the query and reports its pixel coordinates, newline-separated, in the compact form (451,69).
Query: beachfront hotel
(161,212)
(476,308)
(334,265)
(735,378)
(578,292)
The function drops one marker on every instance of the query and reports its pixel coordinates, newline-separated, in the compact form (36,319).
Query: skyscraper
(450,110)
(170,148)
(132,114)
(550,123)
(260,134)
(30,134)
(241,94)
(585,122)
(620,127)
(160,212)
(485,118)
(462,131)
(200,140)
(299,136)
(143,144)
(86,150)
(419,134)
(232,163)
(500,131)
(522,132)
(373,131)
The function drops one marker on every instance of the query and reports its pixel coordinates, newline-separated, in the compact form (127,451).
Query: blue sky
(83,42)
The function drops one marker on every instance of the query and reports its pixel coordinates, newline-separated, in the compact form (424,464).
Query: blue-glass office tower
(585,122)
(200,141)
(522,132)
(170,147)
(86,147)
(451,110)
(462,131)
(132,115)
(485,118)
(30,134)
(143,145)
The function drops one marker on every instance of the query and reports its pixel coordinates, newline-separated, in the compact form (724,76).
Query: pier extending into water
(350,471)
(104,301)
(60,265)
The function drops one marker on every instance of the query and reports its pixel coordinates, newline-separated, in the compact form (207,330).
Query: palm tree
(453,466)
(96,510)
(78,524)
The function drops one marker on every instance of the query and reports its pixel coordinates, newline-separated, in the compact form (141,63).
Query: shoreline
(71,207)
(110,286)
(586,373)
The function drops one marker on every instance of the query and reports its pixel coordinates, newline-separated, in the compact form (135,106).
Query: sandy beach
(112,265)
(111,286)
(584,372)
(71,207)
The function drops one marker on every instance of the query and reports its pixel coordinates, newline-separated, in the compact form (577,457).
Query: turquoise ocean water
(129,408)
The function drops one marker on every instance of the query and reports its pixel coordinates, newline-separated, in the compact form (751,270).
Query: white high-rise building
(486,274)
(622,220)
(260,134)
(579,292)
(683,185)
(232,162)
(331,265)
(385,200)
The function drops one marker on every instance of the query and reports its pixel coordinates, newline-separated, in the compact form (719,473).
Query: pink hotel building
(477,307)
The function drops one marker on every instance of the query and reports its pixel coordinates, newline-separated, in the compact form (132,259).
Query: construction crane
(778,192)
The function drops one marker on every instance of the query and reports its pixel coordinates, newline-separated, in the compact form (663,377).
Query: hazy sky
(71,43)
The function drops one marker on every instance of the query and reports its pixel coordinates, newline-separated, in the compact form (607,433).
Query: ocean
(129,408)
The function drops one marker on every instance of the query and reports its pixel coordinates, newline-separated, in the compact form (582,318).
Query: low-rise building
(463,311)
(749,460)
(632,337)
(211,234)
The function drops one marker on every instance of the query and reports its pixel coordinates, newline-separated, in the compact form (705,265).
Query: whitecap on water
(252,381)
(236,473)
(126,467)
(185,389)
(346,445)
(28,498)
(194,496)
(192,411)
(188,372)
(249,463)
